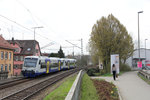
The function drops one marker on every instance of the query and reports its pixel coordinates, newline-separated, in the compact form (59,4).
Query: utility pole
(73,46)
(81,46)
(34,39)
(77,46)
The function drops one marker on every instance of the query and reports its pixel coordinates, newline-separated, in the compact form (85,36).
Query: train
(37,65)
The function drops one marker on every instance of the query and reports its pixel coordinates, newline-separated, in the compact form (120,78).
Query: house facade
(23,48)
(6,57)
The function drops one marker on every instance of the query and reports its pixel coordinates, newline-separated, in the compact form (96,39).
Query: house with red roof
(6,56)
(23,48)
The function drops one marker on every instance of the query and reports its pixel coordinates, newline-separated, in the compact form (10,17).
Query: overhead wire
(28,10)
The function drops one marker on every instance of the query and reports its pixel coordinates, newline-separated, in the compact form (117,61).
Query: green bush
(124,67)
(91,71)
(103,72)
(96,72)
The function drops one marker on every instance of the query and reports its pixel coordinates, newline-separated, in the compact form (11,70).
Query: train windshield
(30,62)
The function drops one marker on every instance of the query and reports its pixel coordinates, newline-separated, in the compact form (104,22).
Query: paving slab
(130,86)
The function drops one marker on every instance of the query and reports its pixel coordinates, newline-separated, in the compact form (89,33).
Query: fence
(74,92)
(3,75)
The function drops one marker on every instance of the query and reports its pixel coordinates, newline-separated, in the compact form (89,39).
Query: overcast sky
(70,20)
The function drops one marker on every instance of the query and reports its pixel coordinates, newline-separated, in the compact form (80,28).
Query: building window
(1,67)
(6,55)
(10,67)
(37,50)
(6,67)
(15,66)
(16,58)
(9,55)
(2,55)
(16,49)
(21,58)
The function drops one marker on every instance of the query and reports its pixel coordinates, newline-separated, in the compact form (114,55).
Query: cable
(28,11)
(16,23)
(23,26)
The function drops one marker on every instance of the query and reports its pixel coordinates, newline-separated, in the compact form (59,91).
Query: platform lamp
(139,34)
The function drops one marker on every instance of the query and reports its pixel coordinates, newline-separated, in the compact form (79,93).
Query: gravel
(10,90)
(41,95)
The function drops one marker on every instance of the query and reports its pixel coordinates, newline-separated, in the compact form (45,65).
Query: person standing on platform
(114,71)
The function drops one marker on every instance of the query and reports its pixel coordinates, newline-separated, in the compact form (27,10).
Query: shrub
(124,67)
(91,71)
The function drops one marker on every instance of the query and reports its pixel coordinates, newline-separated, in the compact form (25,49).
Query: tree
(54,55)
(60,53)
(108,37)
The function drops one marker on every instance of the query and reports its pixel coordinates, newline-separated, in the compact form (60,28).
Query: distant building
(6,56)
(132,61)
(45,54)
(23,48)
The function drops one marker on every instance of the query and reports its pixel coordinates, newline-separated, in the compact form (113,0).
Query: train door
(47,65)
(59,65)
(68,63)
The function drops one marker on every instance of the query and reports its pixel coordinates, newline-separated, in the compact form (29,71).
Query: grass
(88,90)
(143,78)
(61,92)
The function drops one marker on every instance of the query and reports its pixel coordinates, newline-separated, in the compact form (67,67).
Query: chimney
(13,41)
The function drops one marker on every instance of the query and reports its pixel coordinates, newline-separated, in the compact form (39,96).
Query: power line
(22,26)
(31,14)
(16,23)
(28,11)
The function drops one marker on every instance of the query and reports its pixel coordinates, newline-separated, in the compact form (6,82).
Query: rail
(25,94)
(13,83)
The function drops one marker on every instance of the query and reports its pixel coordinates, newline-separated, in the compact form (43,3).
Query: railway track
(13,83)
(26,93)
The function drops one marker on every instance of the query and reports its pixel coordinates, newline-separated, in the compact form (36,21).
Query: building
(23,48)
(6,56)
(144,57)
(45,54)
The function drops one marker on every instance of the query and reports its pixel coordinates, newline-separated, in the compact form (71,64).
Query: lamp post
(139,34)
(34,38)
(145,52)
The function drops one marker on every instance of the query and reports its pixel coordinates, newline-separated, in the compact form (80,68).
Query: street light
(139,34)
(34,38)
(145,51)
(36,28)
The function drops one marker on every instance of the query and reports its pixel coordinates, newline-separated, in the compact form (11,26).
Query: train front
(30,66)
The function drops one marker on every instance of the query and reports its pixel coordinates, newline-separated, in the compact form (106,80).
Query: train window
(39,62)
(30,62)
(61,64)
(43,65)
(72,64)
(54,65)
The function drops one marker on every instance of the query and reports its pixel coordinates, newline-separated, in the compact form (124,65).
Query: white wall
(136,56)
